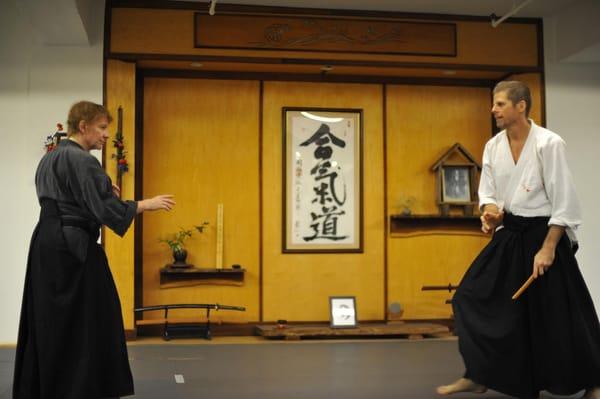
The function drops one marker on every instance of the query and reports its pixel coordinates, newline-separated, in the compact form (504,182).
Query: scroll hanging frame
(322,180)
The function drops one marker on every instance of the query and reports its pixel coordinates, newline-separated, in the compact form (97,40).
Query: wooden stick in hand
(523,287)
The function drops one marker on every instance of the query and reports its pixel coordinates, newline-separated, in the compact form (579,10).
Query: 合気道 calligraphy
(327,203)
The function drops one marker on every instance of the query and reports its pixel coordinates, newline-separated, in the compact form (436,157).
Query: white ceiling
(589,55)
(537,8)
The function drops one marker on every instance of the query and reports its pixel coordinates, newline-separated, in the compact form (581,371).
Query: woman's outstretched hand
(164,201)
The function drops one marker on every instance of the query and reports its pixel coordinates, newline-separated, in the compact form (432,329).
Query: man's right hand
(491,218)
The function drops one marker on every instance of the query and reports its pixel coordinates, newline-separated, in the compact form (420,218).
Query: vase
(179,257)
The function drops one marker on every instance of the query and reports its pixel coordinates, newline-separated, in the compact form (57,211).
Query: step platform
(408,330)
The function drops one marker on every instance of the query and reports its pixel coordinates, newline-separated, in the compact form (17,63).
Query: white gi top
(539,184)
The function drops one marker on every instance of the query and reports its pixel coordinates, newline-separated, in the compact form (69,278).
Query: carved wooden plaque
(345,35)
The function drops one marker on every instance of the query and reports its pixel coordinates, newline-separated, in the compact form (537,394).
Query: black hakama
(548,339)
(71,342)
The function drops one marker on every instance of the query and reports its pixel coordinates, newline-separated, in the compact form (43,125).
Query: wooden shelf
(414,225)
(186,276)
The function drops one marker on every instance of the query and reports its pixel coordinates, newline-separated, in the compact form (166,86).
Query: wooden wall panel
(120,86)
(153,31)
(507,44)
(318,34)
(297,286)
(422,124)
(201,143)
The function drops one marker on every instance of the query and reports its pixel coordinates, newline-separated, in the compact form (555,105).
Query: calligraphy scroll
(323,180)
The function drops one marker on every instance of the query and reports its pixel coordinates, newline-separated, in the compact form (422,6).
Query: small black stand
(188,329)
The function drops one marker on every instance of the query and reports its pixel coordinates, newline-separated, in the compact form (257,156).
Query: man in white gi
(549,338)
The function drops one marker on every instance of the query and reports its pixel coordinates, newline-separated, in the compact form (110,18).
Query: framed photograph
(456,185)
(342,311)
(322,180)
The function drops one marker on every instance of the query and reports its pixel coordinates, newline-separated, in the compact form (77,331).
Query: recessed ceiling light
(196,64)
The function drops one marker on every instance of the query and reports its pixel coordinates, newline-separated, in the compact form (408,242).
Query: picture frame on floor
(342,311)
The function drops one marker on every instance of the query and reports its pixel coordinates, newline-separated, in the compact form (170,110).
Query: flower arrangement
(53,140)
(175,242)
(120,155)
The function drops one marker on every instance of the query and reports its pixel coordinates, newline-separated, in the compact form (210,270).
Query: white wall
(573,111)
(38,84)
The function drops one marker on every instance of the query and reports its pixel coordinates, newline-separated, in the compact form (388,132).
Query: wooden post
(219,258)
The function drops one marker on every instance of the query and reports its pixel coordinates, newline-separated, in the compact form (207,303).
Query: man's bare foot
(461,385)
(593,393)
